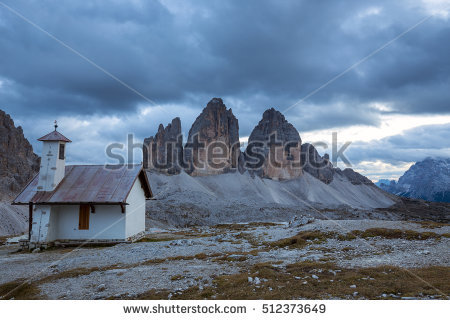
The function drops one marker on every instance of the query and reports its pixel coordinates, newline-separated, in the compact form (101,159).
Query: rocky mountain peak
(428,180)
(18,162)
(279,143)
(273,121)
(164,151)
(317,166)
(213,141)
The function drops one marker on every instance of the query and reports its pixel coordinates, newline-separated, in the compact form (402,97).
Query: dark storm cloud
(254,54)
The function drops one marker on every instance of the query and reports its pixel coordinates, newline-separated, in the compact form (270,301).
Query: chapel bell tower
(53,160)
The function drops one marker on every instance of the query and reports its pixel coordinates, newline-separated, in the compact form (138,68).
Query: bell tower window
(62,149)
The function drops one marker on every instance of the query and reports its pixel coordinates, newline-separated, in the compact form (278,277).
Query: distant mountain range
(428,180)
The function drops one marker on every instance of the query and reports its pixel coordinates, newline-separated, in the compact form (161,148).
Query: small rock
(257,281)
(408,298)
(300,221)
(353,286)
(314,277)
(305,282)
(250,279)
(355,293)
(384,295)
(298,278)
(37,250)
(169,296)
(101,287)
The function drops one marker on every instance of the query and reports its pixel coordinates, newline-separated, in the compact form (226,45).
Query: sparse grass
(236,256)
(301,240)
(73,273)
(155,239)
(281,283)
(201,256)
(19,290)
(149,295)
(396,234)
(432,224)
(231,258)
(245,226)
(177,277)
(190,234)
(317,237)
(30,289)
(254,241)
(347,236)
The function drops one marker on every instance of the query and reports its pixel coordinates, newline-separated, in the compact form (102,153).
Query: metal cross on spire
(56,125)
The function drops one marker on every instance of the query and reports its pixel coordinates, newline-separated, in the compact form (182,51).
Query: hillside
(183,200)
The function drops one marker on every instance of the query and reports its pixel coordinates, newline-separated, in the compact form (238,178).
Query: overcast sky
(109,68)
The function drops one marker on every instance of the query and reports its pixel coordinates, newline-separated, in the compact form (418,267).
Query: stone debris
(101,287)
(300,221)
(123,271)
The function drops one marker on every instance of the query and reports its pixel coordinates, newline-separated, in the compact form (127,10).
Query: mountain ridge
(428,179)
(217,126)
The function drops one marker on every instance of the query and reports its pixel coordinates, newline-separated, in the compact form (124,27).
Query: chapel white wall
(107,223)
(135,211)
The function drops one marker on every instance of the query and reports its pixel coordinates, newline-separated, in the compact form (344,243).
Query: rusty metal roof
(54,136)
(93,184)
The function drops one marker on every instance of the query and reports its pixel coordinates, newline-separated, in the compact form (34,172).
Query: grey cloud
(412,145)
(254,54)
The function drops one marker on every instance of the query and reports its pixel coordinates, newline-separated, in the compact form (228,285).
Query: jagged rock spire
(164,151)
(213,141)
(275,141)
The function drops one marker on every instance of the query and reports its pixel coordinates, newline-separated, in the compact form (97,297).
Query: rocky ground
(320,259)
